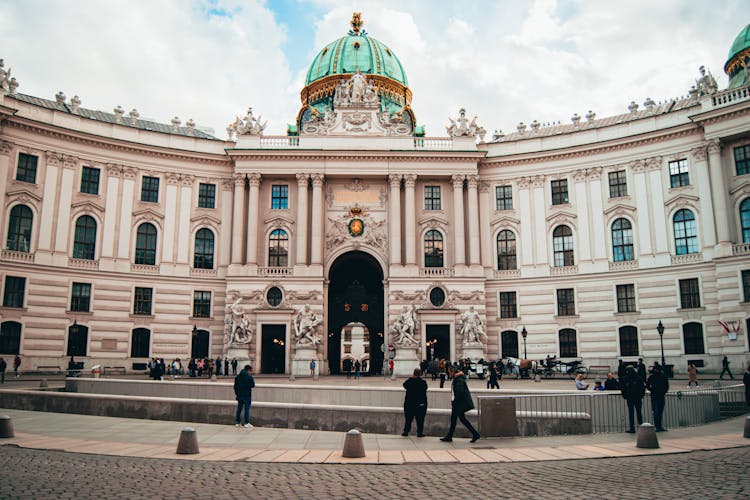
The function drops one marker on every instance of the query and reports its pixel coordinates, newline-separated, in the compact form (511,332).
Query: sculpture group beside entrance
(239,329)
(472,327)
(404,328)
(305,326)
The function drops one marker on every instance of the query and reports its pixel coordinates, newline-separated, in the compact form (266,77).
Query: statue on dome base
(706,84)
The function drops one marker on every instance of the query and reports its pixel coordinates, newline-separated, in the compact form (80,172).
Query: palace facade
(125,239)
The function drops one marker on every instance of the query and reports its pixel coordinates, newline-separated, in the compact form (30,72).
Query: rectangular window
(746,286)
(618,184)
(508,305)
(201,304)
(566,305)
(503,198)
(26,171)
(90,180)
(432,197)
(15,288)
(568,344)
(142,302)
(280,197)
(207,195)
(80,297)
(742,159)
(678,173)
(560,192)
(150,189)
(690,296)
(625,298)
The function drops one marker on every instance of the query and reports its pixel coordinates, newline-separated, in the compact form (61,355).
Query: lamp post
(660,329)
(523,334)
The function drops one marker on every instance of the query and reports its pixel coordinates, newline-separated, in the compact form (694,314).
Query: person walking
(746,381)
(312,368)
(243,391)
(218,366)
(4,365)
(692,375)
(658,386)
(415,402)
(461,402)
(492,378)
(226,367)
(234,366)
(633,390)
(725,368)
(16,364)
(441,371)
(357,367)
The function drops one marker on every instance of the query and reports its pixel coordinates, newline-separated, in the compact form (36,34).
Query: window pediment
(620,209)
(682,201)
(433,221)
(505,221)
(87,206)
(279,221)
(206,220)
(562,217)
(146,214)
(742,187)
(23,196)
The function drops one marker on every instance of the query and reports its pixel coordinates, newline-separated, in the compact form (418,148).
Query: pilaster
(410,221)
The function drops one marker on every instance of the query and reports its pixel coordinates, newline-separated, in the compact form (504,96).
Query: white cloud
(504,61)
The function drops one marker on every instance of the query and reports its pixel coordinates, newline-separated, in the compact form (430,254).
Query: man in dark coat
(725,368)
(620,371)
(460,403)
(641,370)
(415,402)
(4,365)
(243,390)
(633,389)
(658,385)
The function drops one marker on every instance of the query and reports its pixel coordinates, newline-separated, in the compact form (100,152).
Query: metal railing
(608,411)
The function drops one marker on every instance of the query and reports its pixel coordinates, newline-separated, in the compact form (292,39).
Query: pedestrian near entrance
(243,391)
(725,368)
(16,364)
(692,375)
(4,365)
(658,386)
(633,389)
(442,370)
(746,381)
(226,367)
(415,402)
(492,379)
(621,371)
(357,367)
(234,366)
(641,370)
(312,367)
(460,403)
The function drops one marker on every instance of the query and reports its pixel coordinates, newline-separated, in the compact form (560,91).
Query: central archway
(355,295)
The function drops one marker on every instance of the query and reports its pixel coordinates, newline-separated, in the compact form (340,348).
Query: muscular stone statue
(240,331)
(472,328)
(358,87)
(404,327)
(304,326)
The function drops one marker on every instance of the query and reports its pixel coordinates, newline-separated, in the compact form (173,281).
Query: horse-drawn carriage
(546,368)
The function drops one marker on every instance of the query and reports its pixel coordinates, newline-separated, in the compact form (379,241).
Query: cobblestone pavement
(26,473)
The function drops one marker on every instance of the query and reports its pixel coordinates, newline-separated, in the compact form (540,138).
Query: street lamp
(660,329)
(523,334)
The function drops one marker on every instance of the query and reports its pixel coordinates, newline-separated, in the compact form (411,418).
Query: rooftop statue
(305,325)
(462,127)
(706,84)
(4,77)
(249,125)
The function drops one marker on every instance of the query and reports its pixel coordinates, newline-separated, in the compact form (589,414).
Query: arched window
(10,337)
(78,339)
(628,341)
(506,250)
(19,228)
(568,345)
(685,238)
(204,249)
(745,220)
(433,249)
(622,240)
(145,244)
(84,240)
(509,344)
(693,337)
(140,343)
(562,244)
(278,249)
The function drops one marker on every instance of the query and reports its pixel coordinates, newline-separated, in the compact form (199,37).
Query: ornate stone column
(126,213)
(484,224)
(410,225)
(472,181)
(301,257)
(170,217)
(252,219)
(6,148)
(238,222)
(183,221)
(395,218)
(703,183)
(316,251)
(719,191)
(458,219)
(111,207)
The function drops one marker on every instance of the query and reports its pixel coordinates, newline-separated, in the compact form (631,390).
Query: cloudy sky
(505,61)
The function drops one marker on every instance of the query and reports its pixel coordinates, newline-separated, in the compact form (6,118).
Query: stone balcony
(437,271)
(83,263)
(17,256)
(274,271)
(741,249)
(691,258)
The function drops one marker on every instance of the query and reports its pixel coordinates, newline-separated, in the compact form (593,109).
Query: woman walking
(460,403)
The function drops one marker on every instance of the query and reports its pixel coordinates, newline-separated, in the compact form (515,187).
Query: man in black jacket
(658,385)
(460,403)
(243,390)
(633,389)
(415,402)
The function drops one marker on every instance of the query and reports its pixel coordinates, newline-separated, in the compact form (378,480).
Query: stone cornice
(592,149)
(119,145)
(338,155)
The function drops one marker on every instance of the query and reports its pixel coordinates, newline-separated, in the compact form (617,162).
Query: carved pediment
(88,205)
(205,219)
(505,221)
(683,201)
(147,213)
(433,220)
(279,220)
(743,186)
(23,196)
(620,208)
(562,216)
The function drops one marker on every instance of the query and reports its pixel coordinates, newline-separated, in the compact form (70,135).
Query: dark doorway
(438,341)
(10,337)
(273,349)
(78,336)
(199,348)
(509,344)
(355,294)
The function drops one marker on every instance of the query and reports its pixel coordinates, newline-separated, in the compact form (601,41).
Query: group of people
(4,366)
(197,367)
(633,386)
(354,367)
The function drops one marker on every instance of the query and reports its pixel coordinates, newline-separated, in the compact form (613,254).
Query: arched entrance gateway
(355,312)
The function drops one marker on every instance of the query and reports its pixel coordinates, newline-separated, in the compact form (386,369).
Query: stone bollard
(354,446)
(43,384)
(188,444)
(6,427)
(646,437)
(747,427)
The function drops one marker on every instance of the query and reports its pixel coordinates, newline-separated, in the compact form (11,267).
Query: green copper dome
(356,51)
(739,54)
